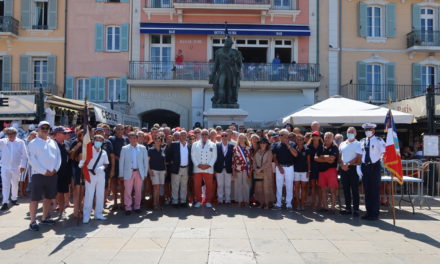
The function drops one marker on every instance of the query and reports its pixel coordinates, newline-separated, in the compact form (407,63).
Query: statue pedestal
(224,116)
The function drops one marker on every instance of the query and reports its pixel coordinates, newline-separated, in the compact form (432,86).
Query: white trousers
(94,189)
(223,186)
(179,185)
(10,179)
(241,187)
(287,179)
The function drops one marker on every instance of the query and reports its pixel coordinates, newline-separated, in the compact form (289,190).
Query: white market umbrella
(338,110)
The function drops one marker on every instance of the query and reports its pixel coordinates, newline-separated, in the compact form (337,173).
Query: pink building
(97,53)
(277,39)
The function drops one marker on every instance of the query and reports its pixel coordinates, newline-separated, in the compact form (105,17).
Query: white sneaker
(208,205)
(197,205)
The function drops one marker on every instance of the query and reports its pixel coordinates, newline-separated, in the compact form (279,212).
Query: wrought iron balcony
(381,93)
(423,39)
(27,87)
(8,24)
(252,4)
(199,71)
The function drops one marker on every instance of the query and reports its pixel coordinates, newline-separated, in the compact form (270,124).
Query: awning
(17,107)
(219,29)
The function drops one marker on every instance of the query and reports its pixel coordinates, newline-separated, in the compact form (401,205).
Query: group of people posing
(280,168)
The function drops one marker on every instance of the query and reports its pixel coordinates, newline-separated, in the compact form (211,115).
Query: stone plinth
(224,116)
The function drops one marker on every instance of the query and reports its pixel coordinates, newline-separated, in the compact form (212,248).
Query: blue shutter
(93,82)
(51,71)
(101,88)
(100,0)
(69,87)
(391,20)
(124,1)
(99,37)
(7,73)
(124,38)
(9,7)
(416,23)
(25,20)
(362,15)
(417,79)
(123,95)
(390,75)
(52,15)
(25,74)
(362,81)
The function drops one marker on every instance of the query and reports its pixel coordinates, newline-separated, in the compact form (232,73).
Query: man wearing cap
(13,162)
(373,148)
(45,159)
(65,171)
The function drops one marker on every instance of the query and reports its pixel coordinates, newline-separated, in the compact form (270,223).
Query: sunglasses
(45,128)
(224,135)
(205,134)
(196,132)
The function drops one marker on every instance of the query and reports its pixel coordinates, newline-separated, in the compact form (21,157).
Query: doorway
(285,54)
(254,55)
(160,116)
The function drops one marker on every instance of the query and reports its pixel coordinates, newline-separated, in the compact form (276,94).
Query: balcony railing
(8,24)
(200,71)
(274,4)
(26,87)
(380,93)
(423,38)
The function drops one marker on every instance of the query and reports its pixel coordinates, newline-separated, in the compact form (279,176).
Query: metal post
(430,109)
(40,104)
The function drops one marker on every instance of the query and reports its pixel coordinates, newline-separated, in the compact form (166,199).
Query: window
(283,4)
(114,89)
(39,72)
(82,88)
(40,14)
(2,8)
(113,38)
(427,23)
(374,21)
(374,82)
(161,48)
(159,3)
(428,76)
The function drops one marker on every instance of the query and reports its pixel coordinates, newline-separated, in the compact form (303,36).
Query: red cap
(316,133)
(191,132)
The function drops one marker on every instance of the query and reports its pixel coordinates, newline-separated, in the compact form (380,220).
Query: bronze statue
(225,76)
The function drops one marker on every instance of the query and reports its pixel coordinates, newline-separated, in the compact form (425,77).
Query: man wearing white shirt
(350,154)
(45,159)
(203,155)
(96,187)
(133,168)
(13,162)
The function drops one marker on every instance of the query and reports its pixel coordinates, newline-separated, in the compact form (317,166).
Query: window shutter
(9,7)
(25,20)
(7,73)
(24,71)
(69,87)
(101,88)
(99,37)
(52,16)
(93,82)
(416,24)
(124,38)
(417,79)
(362,80)
(123,95)
(390,75)
(391,20)
(51,71)
(100,0)
(362,19)
(124,1)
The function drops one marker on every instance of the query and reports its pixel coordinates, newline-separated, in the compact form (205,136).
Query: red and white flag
(87,150)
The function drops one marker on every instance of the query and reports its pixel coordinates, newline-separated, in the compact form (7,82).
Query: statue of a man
(225,76)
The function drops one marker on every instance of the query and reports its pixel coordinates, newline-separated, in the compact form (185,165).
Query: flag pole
(393,208)
(81,186)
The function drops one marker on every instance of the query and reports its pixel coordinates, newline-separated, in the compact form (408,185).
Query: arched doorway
(160,116)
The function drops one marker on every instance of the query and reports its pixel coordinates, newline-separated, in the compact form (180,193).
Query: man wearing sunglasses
(13,162)
(45,159)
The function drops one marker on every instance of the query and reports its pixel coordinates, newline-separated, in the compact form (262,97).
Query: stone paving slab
(225,234)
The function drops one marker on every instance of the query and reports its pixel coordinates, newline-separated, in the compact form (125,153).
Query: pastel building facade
(32,39)
(376,50)
(97,51)
(173,45)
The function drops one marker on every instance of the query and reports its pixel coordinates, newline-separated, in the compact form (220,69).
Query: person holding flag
(373,148)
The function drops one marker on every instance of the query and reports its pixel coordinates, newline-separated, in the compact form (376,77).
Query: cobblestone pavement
(226,234)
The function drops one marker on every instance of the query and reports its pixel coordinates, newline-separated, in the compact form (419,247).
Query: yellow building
(373,50)
(32,38)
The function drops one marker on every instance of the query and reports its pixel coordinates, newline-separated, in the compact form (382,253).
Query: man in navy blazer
(178,156)
(223,169)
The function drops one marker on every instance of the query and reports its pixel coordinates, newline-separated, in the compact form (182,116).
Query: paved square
(227,234)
